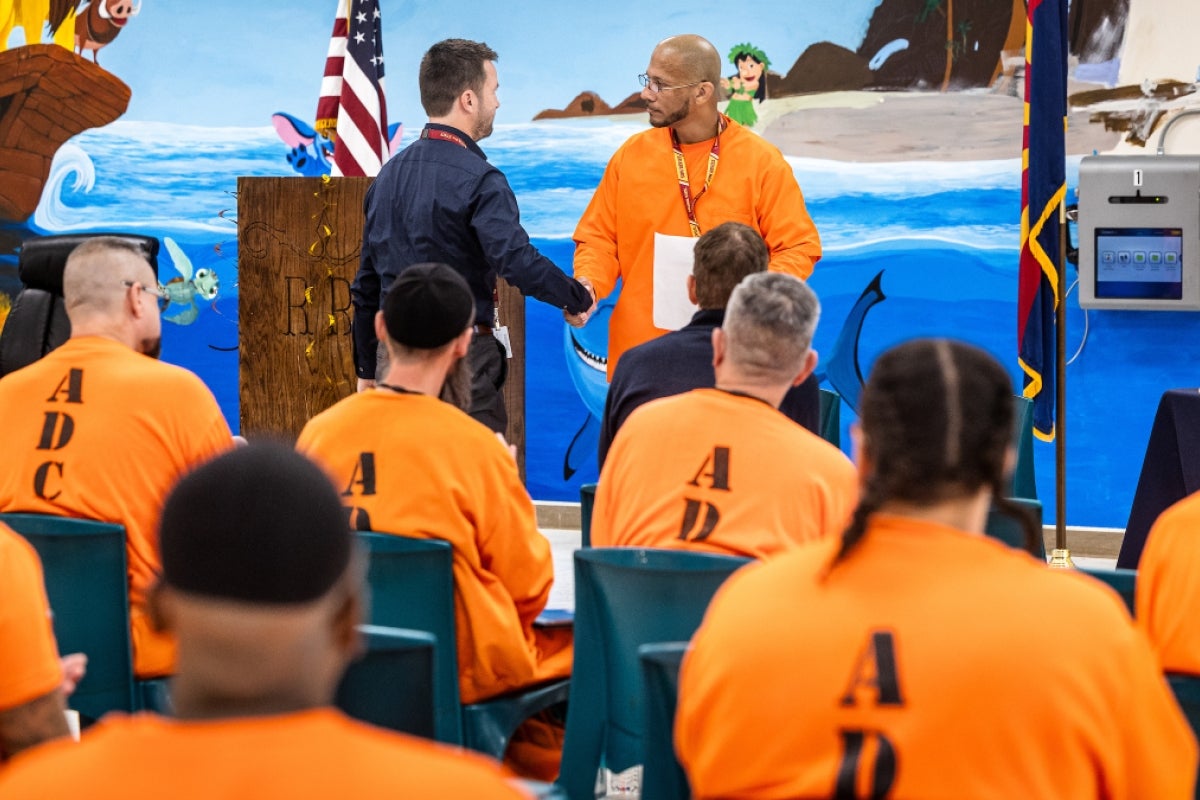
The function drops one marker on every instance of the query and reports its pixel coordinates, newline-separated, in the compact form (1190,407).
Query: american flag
(352,110)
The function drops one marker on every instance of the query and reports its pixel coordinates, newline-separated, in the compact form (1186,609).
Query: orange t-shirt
(29,666)
(310,754)
(722,472)
(437,473)
(639,196)
(99,431)
(929,664)
(1167,592)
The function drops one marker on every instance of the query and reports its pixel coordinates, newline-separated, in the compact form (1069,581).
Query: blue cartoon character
(748,85)
(311,154)
(183,290)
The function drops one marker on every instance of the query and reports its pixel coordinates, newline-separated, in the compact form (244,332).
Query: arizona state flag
(1043,191)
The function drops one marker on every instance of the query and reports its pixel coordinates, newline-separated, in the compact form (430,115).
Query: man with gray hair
(722,469)
(681,360)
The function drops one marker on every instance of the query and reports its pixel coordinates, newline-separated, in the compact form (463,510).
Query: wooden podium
(299,241)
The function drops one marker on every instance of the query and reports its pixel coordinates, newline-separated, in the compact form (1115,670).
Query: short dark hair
(723,256)
(260,524)
(937,422)
(448,69)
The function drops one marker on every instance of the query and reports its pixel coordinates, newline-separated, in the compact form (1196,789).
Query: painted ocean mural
(944,235)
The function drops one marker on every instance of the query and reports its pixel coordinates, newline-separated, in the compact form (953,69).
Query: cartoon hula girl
(748,85)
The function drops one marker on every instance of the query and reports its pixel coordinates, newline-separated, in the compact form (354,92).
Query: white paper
(72,722)
(672,265)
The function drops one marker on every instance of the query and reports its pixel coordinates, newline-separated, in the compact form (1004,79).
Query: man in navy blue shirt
(440,200)
(680,361)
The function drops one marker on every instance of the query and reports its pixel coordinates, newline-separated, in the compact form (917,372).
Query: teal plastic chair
(626,597)
(663,778)
(88,587)
(1187,694)
(412,586)
(391,684)
(1023,483)
(831,417)
(1123,580)
(587,501)
(1007,530)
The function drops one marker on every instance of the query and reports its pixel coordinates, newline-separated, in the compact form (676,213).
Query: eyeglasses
(655,87)
(156,292)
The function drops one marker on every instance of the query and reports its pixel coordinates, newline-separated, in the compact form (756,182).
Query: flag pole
(1060,558)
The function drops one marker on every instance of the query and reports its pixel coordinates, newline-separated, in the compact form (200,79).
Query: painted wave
(180,179)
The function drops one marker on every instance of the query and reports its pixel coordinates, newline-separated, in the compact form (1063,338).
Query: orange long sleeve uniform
(310,754)
(722,472)
(29,666)
(639,196)
(97,430)
(1168,587)
(922,667)
(416,466)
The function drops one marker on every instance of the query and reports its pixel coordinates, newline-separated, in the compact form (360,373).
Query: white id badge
(501,334)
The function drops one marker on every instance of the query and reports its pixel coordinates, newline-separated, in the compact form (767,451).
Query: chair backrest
(37,322)
(831,417)
(412,586)
(663,778)
(1123,580)
(1009,531)
(88,588)
(587,502)
(1187,694)
(391,685)
(624,598)
(1023,483)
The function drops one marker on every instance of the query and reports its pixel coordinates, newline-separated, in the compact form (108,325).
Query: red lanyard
(681,171)
(445,136)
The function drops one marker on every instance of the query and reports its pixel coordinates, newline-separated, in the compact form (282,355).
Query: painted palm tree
(944,8)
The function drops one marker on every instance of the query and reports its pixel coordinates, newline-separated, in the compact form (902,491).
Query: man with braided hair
(262,584)
(721,469)
(912,658)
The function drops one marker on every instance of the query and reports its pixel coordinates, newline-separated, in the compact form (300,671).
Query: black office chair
(38,321)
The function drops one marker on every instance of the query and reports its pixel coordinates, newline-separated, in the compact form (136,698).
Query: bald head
(693,56)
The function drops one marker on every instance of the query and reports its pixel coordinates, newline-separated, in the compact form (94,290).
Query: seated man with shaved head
(263,585)
(101,429)
(694,169)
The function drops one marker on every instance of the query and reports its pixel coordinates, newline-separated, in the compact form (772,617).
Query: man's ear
(158,607)
(719,347)
(462,345)
(346,619)
(467,100)
(810,363)
(691,287)
(380,327)
(858,452)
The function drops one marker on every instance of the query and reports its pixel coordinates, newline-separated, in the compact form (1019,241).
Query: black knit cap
(261,524)
(427,306)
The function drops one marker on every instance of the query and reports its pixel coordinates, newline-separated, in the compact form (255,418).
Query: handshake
(580,319)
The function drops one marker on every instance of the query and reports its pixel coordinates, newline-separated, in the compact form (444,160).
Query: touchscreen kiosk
(1139,232)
